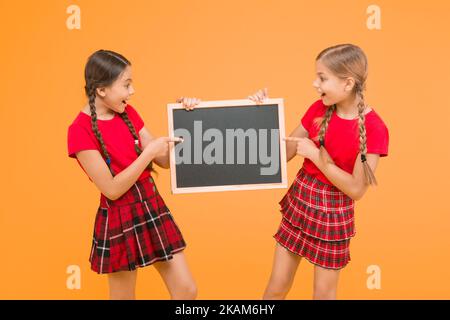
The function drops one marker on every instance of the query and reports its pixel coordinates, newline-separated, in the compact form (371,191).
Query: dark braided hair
(102,69)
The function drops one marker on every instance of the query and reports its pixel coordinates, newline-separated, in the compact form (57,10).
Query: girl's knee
(124,291)
(122,285)
(278,288)
(191,291)
(325,283)
(324,291)
(185,291)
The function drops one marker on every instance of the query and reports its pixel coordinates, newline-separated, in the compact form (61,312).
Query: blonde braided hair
(347,60)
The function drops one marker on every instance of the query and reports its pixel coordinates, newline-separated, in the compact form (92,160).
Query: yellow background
(223,50)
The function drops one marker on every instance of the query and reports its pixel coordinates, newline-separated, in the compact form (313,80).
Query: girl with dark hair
(133,226)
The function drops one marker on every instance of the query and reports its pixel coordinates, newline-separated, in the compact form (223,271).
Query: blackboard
(228,145)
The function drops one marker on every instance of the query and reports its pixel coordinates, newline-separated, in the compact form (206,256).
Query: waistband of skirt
(140,191)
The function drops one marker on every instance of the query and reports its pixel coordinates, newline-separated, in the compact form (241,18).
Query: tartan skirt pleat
(317,222)
(133,231)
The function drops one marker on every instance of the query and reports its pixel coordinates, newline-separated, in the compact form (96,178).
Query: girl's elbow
(358,193)
(111,195)
(355,196)
(107,189)
(352,195)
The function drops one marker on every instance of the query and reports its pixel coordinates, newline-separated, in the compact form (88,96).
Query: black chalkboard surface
(228,145)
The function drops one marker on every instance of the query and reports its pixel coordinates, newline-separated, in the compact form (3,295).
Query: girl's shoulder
(82,119)
(374,121)
(81,127)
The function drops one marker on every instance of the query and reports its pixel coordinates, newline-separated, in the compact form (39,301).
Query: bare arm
(300,132)
(162,160)
(353,184)
(114,187)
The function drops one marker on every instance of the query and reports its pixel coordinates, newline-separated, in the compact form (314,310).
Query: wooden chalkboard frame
(222,104)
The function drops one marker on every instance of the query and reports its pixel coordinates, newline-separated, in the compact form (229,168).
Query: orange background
(218,50)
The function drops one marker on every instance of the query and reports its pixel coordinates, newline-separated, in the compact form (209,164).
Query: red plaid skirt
(133,231)
(317,223)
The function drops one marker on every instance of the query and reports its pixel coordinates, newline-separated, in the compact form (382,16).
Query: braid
(321,136)
(102,69)
(368,173)
(138,149)
(344,61)
(362,127)
(91,95)
(324,123)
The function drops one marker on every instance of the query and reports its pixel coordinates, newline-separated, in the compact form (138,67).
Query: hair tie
(363,158)
(108,161)
(322,142)
(136,141)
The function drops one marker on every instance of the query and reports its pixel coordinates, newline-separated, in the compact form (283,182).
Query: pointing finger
(291,139)
(174,139)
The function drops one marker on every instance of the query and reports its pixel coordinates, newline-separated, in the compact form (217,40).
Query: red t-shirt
(116,135)
(342,138)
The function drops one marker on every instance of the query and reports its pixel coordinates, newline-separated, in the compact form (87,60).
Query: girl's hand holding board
(259,96)
(159,147)
(303,145)
(188,103)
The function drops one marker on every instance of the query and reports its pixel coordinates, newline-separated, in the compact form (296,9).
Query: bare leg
(177,277)
(325,283)
(285,265)
(122,285)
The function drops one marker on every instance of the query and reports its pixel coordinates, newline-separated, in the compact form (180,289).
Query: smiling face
(331,88)
(116,96)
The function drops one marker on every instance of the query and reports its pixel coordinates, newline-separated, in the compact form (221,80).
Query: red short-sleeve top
(116,135)
(342,138)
